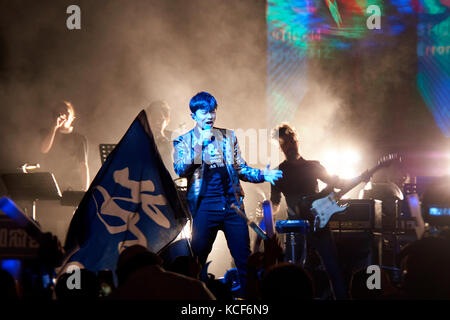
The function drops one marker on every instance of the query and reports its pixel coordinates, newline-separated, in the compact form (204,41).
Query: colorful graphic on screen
(433,50)
(301,30)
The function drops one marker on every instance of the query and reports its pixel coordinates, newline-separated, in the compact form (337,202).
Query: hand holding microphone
(207,136)
(61,120)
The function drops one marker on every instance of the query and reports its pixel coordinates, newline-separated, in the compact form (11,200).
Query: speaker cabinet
(360,215)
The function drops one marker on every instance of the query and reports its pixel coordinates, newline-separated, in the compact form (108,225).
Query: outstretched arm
(272,175)
(249,174)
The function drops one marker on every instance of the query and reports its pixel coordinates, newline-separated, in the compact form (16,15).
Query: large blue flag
(132,200)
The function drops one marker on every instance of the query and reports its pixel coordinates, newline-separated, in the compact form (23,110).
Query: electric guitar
(325,207)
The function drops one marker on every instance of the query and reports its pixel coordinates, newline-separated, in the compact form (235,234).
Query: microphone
(211,140)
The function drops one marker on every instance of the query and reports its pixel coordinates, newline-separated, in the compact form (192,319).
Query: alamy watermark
(73,22)
(254,146)
(374,21)
(374,280)
(74,280)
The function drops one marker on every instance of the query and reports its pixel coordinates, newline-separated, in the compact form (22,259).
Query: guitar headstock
(388,159)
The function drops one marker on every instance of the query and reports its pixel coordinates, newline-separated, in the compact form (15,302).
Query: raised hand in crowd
(273,251)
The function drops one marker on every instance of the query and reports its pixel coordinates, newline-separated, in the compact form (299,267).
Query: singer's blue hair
(203,100)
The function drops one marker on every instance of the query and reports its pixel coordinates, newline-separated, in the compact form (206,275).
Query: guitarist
(300,187)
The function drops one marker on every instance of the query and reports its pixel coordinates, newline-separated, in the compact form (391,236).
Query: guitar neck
(339,194)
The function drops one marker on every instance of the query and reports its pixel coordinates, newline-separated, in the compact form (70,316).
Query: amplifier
(360,215)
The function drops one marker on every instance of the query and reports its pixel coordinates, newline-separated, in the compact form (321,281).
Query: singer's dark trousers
(214,214)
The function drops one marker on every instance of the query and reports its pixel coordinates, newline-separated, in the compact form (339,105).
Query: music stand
(32,187)
(105,150)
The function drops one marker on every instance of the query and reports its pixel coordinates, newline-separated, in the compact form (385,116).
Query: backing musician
(298,184)
(65,151)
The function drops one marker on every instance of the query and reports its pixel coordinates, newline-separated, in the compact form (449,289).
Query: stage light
(347,173)
(351,156)
(13,266)
(331,161)
(343,163)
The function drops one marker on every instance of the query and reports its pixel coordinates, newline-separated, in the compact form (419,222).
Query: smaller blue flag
(132,200)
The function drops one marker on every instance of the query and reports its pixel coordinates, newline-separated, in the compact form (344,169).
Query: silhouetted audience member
(8,289)
(287,281)
(426,269)
(185,265)
(222,291)
(89,287)
(34,277)
(255,265)
(141,277)
(258,262)
(273,251)
(359,290)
